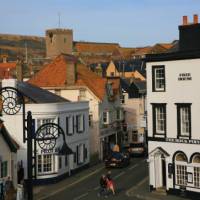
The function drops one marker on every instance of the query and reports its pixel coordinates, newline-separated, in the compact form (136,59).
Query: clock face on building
(46,136)
(11,100)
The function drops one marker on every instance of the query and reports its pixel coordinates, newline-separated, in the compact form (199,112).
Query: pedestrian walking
(103,186)
(110,183)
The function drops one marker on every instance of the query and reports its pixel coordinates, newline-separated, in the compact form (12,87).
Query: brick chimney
(70,72)
(185,20)
(189,34)
(195,19)
(19,72)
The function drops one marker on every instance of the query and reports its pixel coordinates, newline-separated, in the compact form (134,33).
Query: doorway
(160,170)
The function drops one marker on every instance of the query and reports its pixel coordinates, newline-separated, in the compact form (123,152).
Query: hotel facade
(173,104)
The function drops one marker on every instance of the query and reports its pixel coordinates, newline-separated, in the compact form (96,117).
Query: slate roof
(131,65)
(130,84)
(54,75)
(38,95)
(141,85)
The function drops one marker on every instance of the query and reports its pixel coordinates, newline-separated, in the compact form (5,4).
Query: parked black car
(137,149)
(117,160)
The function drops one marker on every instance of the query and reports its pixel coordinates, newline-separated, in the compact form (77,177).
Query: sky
(131,23)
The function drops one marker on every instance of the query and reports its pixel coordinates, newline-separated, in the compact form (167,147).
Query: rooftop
(53,75)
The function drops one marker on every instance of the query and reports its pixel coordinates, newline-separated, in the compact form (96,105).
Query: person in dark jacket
(103,186)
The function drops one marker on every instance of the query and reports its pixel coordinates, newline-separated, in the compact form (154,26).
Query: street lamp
(45,136)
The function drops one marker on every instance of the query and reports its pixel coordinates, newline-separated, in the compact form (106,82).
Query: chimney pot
(185,20)
(195,19)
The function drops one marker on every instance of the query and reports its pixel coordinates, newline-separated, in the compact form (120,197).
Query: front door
(160,170)
(164,172)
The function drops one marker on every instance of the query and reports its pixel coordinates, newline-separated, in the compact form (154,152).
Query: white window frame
(196,176)
(41,121)
(52,159)
(80,123)
(185,121)
(70,125)
(181,173)
(159,79)
(160,120)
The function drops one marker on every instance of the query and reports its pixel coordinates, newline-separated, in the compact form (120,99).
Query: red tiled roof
(54,75)
(6,68)
(94,47)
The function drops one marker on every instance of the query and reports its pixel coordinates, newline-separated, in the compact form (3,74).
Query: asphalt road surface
(88,188)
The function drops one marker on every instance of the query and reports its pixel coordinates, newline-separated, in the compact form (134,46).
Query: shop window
(181,175)
(197,177)
(45,163)
(181,169)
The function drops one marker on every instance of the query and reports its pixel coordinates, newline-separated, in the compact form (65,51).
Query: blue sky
(130,23)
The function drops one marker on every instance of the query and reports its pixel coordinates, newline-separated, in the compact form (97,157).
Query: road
(87,189)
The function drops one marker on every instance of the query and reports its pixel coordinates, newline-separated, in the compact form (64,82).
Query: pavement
(141,191)
(44,191)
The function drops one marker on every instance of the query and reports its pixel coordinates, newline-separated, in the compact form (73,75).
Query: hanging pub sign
(184,77)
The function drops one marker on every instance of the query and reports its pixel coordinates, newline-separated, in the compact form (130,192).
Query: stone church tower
(58,41)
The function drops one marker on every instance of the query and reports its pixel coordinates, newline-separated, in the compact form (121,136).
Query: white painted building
(173,105)
(72,117)
(8,156)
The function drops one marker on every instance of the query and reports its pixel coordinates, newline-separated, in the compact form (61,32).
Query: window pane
(160,119)
(185,123)
(159,78)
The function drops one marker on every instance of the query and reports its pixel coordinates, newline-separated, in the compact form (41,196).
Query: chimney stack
(19,72)
(189,34)
(195,19)
(185,20)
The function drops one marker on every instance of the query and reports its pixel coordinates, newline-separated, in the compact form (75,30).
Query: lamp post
(45,136)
